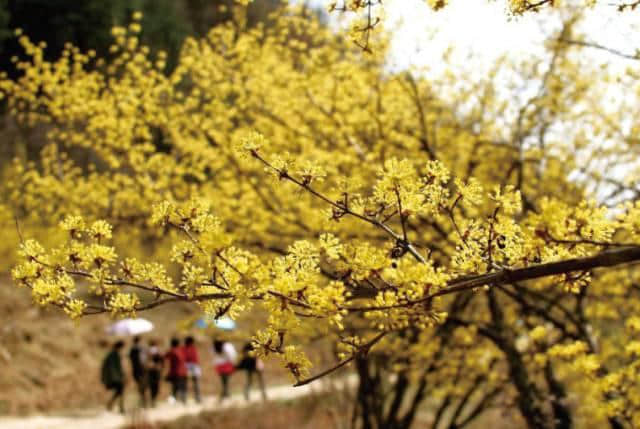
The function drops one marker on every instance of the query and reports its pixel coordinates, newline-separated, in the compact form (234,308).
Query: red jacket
(176,359)
(191,354)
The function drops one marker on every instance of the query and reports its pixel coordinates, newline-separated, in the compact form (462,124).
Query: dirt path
(97,419)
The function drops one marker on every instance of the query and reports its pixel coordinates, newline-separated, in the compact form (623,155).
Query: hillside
(52,364)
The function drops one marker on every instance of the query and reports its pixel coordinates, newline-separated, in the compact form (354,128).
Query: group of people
(180,365)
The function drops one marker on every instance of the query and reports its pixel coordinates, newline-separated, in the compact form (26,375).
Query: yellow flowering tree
(443,237)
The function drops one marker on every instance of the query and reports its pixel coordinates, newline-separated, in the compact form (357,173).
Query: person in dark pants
(194,372)
(177,374)
(155,363)
(112,376)
(137,358)
(254,368)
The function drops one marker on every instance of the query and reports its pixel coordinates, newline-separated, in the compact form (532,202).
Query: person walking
(254,368)
(177,373)
(224,361)
(112,376)
(192,360)
(154,370)
(137,357)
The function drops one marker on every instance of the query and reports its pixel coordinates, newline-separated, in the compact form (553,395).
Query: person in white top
(224,360)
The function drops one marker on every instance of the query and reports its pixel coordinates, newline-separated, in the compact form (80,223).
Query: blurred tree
(164,22)
(4,21)
(87,24)
(203,14)
(84,24)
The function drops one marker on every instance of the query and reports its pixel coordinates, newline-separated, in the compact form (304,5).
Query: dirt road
(97,419)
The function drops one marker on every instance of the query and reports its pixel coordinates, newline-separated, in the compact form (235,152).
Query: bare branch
(594,45)
(362,350)
(605,259)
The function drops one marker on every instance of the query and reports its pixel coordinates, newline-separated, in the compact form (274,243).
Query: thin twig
(362,350)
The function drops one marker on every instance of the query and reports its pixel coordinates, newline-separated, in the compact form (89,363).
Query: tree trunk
(561,414)
(528,396)
(368,390)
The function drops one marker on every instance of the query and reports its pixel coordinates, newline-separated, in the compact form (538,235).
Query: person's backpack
(109,375)
(105,375)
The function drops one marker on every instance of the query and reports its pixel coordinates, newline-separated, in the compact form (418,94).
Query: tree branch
(605,259)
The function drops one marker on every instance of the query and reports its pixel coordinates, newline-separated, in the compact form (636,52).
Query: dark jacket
(137,366)
(112,373)
(248,362)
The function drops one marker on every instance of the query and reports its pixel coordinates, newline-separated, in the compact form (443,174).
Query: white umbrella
(130,327)
(225,323)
